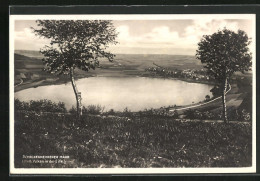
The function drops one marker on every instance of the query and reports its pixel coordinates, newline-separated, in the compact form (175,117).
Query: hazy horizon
(170,37)
(117,53)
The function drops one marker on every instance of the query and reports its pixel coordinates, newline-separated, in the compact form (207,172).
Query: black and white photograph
(132,94)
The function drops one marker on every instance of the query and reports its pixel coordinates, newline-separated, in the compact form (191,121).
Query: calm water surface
(135,93)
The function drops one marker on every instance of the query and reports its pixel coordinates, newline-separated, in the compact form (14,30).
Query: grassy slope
(97,141)
(240,96)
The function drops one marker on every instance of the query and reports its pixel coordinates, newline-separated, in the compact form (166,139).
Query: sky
(176,36)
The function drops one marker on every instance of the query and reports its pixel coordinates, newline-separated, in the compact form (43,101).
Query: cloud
(162,37)
(157,36)
(207,26)
(26,39)
(123,32)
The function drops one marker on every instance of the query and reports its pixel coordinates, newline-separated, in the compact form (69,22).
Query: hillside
(22,61)
(173,61)
(131,142)
(29,53)
(129,64)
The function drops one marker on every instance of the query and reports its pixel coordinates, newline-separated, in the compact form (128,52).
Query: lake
(135,93)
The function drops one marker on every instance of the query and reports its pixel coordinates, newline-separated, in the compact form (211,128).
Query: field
(112,141)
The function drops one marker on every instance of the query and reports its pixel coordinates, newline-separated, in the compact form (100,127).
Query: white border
(126,170)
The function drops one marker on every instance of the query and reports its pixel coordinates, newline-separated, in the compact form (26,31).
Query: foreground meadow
(134,141)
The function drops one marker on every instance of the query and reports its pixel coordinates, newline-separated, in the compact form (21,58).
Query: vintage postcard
(132,94)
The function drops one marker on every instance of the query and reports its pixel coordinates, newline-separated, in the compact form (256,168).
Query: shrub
(233,115)
(127,112)
(39,106)
(207,98)
(20,105)
(190,114)
(111,112)
(208,115)
(73,110)
(92,109)
(195,114)
(216,91)
(240,115)
(162,112)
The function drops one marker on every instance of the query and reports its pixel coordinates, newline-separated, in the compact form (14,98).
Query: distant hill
(29,66)
(168,61)
(29,63)
(126,61)
(29,53)
(22,57)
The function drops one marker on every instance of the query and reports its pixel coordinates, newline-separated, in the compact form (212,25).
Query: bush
(195,114)
(216,91)
(93,109)
(19,105)
(233,115)
(73,110)
(207,98)
(127,112)
(240,115)
(39,106)
(111,112)
(162,112)
(190,113)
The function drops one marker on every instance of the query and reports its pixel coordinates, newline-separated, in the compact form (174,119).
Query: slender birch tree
(75,44)
(222,54)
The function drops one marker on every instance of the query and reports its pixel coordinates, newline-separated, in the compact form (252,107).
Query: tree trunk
(224,101)
(77,94)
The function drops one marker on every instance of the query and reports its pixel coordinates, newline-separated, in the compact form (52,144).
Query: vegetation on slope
(112,141)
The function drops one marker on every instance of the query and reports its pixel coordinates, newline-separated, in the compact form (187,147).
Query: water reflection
(135,93)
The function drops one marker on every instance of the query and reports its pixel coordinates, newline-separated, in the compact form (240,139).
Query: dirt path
(199,105)
(26,85)
(19,83)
